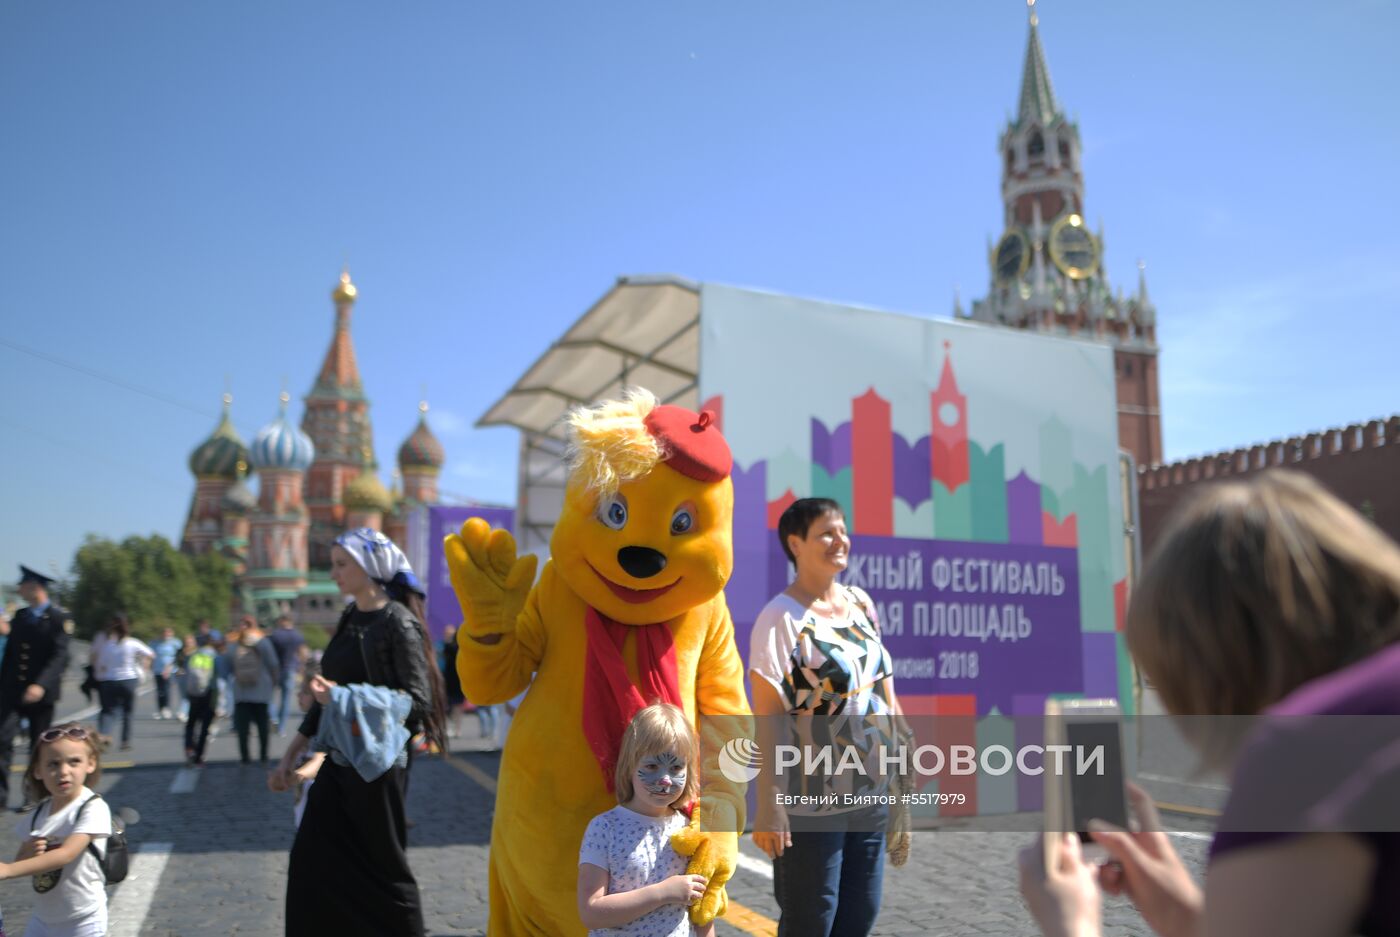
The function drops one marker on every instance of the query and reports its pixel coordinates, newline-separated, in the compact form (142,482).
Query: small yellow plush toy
(629,610)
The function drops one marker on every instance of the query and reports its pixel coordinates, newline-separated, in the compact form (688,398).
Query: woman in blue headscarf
(349,870)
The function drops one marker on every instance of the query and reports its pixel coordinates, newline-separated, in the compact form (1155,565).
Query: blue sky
(182,182)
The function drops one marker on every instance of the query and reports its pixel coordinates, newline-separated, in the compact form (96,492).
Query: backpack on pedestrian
(248,665)
(116,860)
(199,673)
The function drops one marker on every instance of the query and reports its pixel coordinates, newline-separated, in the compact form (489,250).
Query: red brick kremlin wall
(1359,463)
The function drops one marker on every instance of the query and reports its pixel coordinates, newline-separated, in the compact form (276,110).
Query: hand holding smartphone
(1073,797)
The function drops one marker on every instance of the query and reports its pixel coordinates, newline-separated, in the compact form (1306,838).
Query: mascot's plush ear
(691,442)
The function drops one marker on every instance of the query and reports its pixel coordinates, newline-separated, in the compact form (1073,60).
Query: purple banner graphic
(443,609)
(994,620)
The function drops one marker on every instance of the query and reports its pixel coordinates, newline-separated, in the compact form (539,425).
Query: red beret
(697,450)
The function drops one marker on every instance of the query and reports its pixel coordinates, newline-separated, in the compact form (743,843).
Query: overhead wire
(447,496)
(110,379)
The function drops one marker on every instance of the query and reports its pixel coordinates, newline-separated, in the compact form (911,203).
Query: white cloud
(448,423)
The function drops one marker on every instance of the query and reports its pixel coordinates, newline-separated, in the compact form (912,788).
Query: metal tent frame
(645,331)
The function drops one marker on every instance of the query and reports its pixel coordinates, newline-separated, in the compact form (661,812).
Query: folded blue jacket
(363,727)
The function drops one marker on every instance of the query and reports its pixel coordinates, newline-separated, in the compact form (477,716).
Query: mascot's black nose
(641,562)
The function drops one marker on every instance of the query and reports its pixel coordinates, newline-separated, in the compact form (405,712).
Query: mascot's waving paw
(713,855)
(491,582)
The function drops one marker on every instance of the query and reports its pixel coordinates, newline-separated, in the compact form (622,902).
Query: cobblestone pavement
(213,860)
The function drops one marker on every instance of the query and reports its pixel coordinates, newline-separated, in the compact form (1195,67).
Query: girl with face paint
(630,880)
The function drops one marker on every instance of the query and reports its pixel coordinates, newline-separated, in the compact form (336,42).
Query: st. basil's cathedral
(314,482)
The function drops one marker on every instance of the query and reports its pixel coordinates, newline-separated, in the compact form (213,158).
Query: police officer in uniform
(32,668)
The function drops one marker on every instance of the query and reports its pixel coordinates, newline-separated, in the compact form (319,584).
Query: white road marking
(185,781)
(82,714)
(131,902)
(87,712)
(756,866)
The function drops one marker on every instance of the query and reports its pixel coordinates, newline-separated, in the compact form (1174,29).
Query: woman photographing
(1266,597)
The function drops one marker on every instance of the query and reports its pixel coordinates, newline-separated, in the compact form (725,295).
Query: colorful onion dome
(220,454)
(239,499)
(344,292)
(367,493)
(280,445)
(421,450)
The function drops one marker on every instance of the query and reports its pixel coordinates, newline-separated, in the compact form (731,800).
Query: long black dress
(451,682)
(349,870)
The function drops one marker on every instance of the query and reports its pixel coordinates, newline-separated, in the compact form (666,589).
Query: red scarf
(609,698)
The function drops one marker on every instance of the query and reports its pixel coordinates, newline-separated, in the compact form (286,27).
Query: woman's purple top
(1326,758)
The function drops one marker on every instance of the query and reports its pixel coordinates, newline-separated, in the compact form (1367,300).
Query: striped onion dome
(220,455)
(421,450)
(367,493)
(239,499)
(280,445)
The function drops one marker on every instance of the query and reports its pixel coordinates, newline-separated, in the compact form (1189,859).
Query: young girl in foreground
(72,899)
(631,883)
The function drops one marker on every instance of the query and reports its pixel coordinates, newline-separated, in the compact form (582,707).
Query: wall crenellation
(1335,443)
(1359,463)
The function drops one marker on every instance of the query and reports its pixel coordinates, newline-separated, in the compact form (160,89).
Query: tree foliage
(149,579)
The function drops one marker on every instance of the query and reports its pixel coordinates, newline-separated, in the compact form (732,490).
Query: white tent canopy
(645,332)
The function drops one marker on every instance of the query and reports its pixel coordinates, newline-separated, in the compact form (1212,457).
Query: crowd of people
(200,678)
(1265,597)
(349,813)
(1268,597)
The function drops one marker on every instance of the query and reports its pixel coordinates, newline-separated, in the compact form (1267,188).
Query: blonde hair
(609,444)
(34,788)
(658,728)
(1256,588)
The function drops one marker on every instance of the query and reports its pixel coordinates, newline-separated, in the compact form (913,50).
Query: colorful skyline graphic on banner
(997,589)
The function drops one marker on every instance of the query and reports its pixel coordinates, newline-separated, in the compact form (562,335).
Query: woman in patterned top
(815,656)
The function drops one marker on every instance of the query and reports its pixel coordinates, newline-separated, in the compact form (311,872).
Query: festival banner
(978,470)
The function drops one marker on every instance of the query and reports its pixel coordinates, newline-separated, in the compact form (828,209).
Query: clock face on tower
(1011,258)
(1073,248)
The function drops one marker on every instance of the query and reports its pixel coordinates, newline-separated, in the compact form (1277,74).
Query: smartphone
(1074,797)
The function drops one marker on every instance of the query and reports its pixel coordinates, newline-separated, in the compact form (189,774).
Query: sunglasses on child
(77,733)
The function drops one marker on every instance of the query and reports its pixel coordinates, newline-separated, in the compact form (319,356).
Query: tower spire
(1037,96)
(337,420)
(339,371)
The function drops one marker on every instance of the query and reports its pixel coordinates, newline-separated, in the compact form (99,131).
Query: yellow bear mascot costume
(629,610)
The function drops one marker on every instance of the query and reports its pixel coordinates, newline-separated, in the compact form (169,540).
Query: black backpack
(115,862)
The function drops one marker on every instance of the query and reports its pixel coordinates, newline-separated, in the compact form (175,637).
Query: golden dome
(367,493)
(345,292)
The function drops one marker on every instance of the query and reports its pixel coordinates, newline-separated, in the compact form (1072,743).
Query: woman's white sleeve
(771,644)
